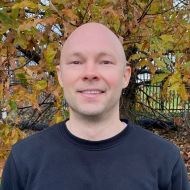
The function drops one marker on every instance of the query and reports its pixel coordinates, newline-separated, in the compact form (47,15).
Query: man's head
(93,70)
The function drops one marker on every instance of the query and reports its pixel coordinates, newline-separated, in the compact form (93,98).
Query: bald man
(93,149)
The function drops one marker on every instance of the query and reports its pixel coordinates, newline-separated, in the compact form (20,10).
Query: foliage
(155,34)
(9,135)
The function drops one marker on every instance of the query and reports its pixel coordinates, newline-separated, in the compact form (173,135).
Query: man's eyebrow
(99,55)
(77,54)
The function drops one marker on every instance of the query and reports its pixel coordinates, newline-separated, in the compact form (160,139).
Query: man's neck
(95,129)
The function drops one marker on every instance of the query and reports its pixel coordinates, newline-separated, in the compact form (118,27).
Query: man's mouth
(91,91)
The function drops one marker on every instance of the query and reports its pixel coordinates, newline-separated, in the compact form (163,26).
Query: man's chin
(90,113)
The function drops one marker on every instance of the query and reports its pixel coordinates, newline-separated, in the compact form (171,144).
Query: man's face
(92,74)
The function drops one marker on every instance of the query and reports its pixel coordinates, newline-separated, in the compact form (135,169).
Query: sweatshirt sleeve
(179,179)
(10,178)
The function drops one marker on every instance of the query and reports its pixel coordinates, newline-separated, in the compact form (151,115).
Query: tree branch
(145,11)
(31,55)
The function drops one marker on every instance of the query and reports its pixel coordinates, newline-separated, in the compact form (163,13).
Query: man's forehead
(97,54)
(91,30)
(93,36)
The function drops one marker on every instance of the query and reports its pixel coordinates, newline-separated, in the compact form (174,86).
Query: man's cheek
(114,81)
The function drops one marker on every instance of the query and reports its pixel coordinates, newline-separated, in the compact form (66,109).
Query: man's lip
(91,91)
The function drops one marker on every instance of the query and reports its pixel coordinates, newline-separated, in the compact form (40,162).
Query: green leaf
(21,41)
(41,85)
(159,77)
(155,45)
(96,12)
(13,105)
(22,78)
(4,18)
(14,13)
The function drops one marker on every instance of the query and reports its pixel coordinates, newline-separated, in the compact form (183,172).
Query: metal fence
(151,96)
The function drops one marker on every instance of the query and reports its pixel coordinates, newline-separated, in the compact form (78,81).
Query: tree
(155,34)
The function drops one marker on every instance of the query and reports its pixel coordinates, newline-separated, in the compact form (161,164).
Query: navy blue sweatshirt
(55,159)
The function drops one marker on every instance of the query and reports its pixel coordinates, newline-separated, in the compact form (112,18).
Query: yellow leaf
(24,4)
(137,56)
(142,63)
(164,92)
(116,23)
(187,67)
(58,117)
(1,90)
(57,92)
(32,98)
(41,85)
(148,65)
(70,14)
(30,72)
(183,92)
(21,41)
(14,134)
(160,64)
(47,21)
(159,23)
(6,131)
(22,60)
(175,78)
(174,86)
(167,38)
(155,7)
(49,54)
(159,77)
(28,24)
(145,45)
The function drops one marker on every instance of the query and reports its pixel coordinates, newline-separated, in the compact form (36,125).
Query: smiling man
(94,149)
(93,72)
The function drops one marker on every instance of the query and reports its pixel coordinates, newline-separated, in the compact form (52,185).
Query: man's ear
(127,76)
(59,75)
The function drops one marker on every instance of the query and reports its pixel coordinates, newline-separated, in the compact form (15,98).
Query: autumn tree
(155,35)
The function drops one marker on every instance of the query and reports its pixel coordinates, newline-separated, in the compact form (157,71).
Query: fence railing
(151,96)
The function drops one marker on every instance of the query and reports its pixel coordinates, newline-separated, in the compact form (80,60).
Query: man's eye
(105,62)
(75,62)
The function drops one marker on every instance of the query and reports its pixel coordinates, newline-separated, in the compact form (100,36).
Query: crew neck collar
(95,145)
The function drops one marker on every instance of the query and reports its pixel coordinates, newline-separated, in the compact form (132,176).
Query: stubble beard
(94,115)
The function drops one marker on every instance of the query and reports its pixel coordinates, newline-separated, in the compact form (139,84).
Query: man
(94,149)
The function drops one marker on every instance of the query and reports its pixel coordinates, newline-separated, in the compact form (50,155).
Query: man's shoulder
(38,140)
(154,142)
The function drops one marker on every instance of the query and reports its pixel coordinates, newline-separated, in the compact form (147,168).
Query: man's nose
(90,72)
